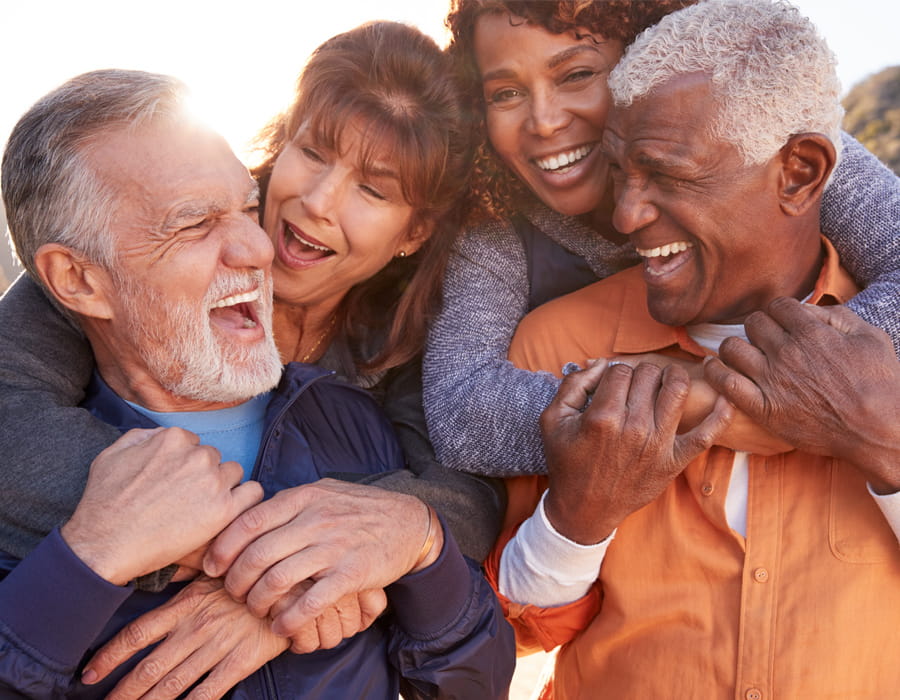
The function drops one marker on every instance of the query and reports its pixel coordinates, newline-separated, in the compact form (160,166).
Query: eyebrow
(566,54)
(198,210)
(556,60)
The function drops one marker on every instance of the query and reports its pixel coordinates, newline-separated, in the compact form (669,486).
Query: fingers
(245,495)
(134,437)
(739,389)
(372,604)
(576,389)
(702,437)
(135,636)
(324,593)
(244,530)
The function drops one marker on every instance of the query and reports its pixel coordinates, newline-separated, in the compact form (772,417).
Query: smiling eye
(371,191)
(579,75)
(504,96)
(312,154)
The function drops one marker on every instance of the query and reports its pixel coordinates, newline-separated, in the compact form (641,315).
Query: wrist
(93,553)
(583,529)
(432,545)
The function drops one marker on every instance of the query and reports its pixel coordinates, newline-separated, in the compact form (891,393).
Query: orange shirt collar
(639,332)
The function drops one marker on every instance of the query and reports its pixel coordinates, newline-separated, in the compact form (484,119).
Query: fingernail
(89,676)
(210,568)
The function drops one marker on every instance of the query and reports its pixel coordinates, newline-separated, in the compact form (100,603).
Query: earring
(401,254)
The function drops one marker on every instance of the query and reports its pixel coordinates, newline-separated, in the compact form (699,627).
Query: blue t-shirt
(235,432)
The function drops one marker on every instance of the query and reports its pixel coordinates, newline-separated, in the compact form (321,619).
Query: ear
(414,240)
(806,162)
(77,283)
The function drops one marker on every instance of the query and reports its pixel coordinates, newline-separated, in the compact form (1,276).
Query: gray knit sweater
(483,413)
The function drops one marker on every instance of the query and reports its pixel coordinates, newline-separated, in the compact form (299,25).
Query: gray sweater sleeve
(861,216)
(482,412)
(47,445)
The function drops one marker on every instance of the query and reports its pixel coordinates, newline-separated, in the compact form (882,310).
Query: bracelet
(430,537)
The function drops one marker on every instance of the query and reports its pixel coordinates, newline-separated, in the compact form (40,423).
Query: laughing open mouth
(561,161)
(662,259)
(302,246)
(237,310)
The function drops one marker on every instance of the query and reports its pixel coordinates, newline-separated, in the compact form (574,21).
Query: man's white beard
(183,353)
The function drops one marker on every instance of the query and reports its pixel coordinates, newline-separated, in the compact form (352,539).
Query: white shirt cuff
(541,567)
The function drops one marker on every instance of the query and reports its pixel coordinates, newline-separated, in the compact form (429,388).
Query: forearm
(33,652)
(482,412)
(47,442)
(463,627)
(860,211)
(541,567)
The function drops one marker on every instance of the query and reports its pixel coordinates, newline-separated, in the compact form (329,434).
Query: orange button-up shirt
(807,605)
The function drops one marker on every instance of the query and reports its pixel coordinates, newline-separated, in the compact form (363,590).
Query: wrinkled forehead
(382,141)
(683,109)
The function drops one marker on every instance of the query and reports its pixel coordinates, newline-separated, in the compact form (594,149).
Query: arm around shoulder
(860,211)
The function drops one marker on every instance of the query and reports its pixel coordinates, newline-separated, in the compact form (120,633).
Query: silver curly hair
(772,73)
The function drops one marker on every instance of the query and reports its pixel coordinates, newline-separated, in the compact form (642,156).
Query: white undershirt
(542,567)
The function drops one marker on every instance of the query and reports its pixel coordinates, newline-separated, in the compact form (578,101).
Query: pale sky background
(241,64)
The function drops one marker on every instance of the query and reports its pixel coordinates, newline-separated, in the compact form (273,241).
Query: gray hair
(772,74)
(51,193)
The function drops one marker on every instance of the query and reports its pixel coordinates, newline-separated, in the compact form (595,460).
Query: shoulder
(335,415)
(574,327)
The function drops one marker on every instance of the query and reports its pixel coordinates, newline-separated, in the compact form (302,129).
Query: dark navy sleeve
(449,637)
(52,608)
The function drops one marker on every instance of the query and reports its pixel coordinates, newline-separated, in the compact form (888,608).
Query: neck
(796,277)
(303,333)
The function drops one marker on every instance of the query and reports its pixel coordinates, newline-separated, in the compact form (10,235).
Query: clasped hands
(814,378)
(303,570)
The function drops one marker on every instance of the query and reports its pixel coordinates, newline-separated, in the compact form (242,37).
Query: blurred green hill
(873,115)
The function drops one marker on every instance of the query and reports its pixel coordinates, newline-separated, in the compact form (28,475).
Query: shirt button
(761,575)
(753,694)
(707,489)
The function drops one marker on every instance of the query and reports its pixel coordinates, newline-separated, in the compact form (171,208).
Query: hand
(151,498)
(619,453)
(350,615)
(202,630)
(822,379)
(741,434)
(345,537)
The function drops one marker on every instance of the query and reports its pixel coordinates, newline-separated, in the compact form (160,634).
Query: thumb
(703,436)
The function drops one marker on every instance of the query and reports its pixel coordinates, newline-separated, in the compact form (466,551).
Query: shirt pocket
(857,530)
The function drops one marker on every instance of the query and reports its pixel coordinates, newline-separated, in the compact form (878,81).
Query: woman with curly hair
(535,79)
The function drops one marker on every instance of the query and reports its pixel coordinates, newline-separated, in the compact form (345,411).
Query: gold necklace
(318,342)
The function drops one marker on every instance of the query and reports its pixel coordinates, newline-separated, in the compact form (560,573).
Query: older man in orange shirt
(666,567)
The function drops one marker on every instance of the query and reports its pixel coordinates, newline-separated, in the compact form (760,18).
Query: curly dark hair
(496,191)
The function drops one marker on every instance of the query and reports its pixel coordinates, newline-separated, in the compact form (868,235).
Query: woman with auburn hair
(534,75)
(361,184)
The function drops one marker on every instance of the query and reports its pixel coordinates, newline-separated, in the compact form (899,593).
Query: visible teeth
(561,160)
(311,245)
(249,323)
(237,299)
(667,249)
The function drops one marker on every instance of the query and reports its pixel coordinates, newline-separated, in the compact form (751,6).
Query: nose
(634,209)
(320,198)
(548,114)
(247,245)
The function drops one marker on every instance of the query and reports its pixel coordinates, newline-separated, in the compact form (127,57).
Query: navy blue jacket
(445,636)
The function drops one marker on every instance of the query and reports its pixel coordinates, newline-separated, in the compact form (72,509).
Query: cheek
(502,131)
